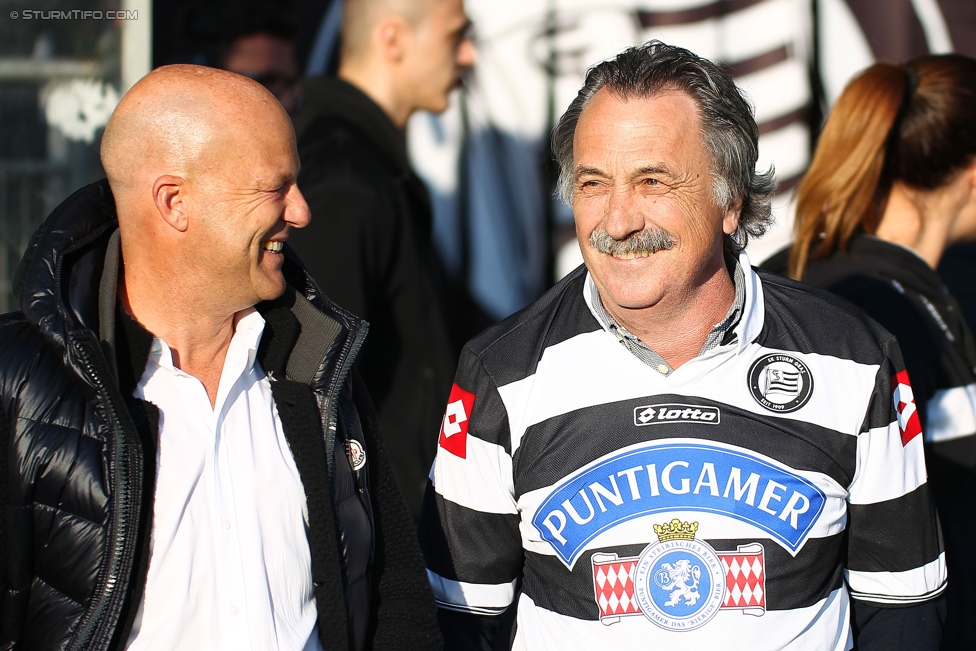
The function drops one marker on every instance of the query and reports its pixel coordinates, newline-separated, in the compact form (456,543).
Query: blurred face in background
(440,49)
(270,61)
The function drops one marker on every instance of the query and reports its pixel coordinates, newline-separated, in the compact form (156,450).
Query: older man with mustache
(671,449)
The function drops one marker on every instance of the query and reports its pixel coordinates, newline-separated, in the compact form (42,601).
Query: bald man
(370,244)
(187,461)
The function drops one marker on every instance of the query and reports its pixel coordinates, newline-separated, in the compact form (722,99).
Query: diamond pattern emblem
(745,580)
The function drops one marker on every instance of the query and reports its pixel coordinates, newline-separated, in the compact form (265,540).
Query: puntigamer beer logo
(652,478)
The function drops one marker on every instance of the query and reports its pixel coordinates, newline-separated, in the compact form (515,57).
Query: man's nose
(297,213)
(466,53)
(622,215)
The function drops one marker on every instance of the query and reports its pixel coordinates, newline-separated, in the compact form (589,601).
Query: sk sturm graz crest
(780,383)
(679,583)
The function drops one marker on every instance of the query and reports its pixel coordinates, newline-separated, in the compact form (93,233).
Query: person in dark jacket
(187,460)
(369,245)
(891,186)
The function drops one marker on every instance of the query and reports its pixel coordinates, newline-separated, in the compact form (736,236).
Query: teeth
(630,255)
(274,246)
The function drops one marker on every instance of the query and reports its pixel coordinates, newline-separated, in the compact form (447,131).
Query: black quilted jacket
(78,460)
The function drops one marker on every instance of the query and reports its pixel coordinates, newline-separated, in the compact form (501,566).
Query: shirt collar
(247,336)
(722,333)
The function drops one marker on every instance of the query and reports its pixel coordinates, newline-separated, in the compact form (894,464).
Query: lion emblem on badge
(680,578)
(679,583)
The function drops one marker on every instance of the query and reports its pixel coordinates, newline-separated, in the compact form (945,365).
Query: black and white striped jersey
(737,502)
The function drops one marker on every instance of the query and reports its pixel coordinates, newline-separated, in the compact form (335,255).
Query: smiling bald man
(187,459)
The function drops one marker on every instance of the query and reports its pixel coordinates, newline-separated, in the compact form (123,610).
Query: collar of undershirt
(721,333)
(248,328)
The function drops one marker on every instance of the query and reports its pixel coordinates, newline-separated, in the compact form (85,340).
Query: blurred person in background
(369,245)
(891,185)
(259,43)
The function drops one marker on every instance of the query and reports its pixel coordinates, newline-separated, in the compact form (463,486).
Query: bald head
(203,168)
(360,17)
(176,118)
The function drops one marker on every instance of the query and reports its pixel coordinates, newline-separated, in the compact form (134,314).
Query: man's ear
(731,220)
(970,172)
(392,37)
(169,195)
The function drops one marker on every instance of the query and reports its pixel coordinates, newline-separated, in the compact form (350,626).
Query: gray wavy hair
(728,128)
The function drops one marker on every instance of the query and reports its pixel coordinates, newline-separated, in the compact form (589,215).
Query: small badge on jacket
(356,454)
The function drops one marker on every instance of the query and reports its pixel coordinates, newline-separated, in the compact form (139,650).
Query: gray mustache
(649,240)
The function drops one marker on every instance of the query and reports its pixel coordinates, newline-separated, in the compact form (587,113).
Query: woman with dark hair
(891,185)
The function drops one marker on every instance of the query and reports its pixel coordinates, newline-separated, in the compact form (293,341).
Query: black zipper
(346,357)
(98,624)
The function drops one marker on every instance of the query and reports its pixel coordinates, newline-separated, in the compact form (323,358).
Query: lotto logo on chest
(676,413)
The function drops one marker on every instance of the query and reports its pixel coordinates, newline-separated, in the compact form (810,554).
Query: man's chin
(271,289)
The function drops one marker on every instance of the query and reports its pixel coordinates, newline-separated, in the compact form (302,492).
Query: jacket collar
(58,278)
(68,277)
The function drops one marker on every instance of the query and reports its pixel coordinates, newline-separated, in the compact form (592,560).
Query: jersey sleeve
(470,523)
(895,555)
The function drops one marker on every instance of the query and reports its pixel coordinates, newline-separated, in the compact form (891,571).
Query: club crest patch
(680,583)
(780,383)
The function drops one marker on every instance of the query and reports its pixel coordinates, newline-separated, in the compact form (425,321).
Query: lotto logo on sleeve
(904,398)
(454,427)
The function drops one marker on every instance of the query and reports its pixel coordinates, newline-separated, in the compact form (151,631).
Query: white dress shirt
(229,564)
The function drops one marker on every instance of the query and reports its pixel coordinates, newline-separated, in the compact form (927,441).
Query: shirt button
(226,524)
(234,610)
(662,369)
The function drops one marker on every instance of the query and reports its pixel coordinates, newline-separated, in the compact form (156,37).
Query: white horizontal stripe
(458,595)
(786,76)
(821,627)
(762,28)
(739,35)
(788,146)
(842,391)
(936,30)
(593,368)
(587,370)
(886,469)
(952,414)
(482,481)
(910,586)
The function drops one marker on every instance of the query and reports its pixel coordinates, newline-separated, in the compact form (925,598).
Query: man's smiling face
(247,206)
(646,217)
